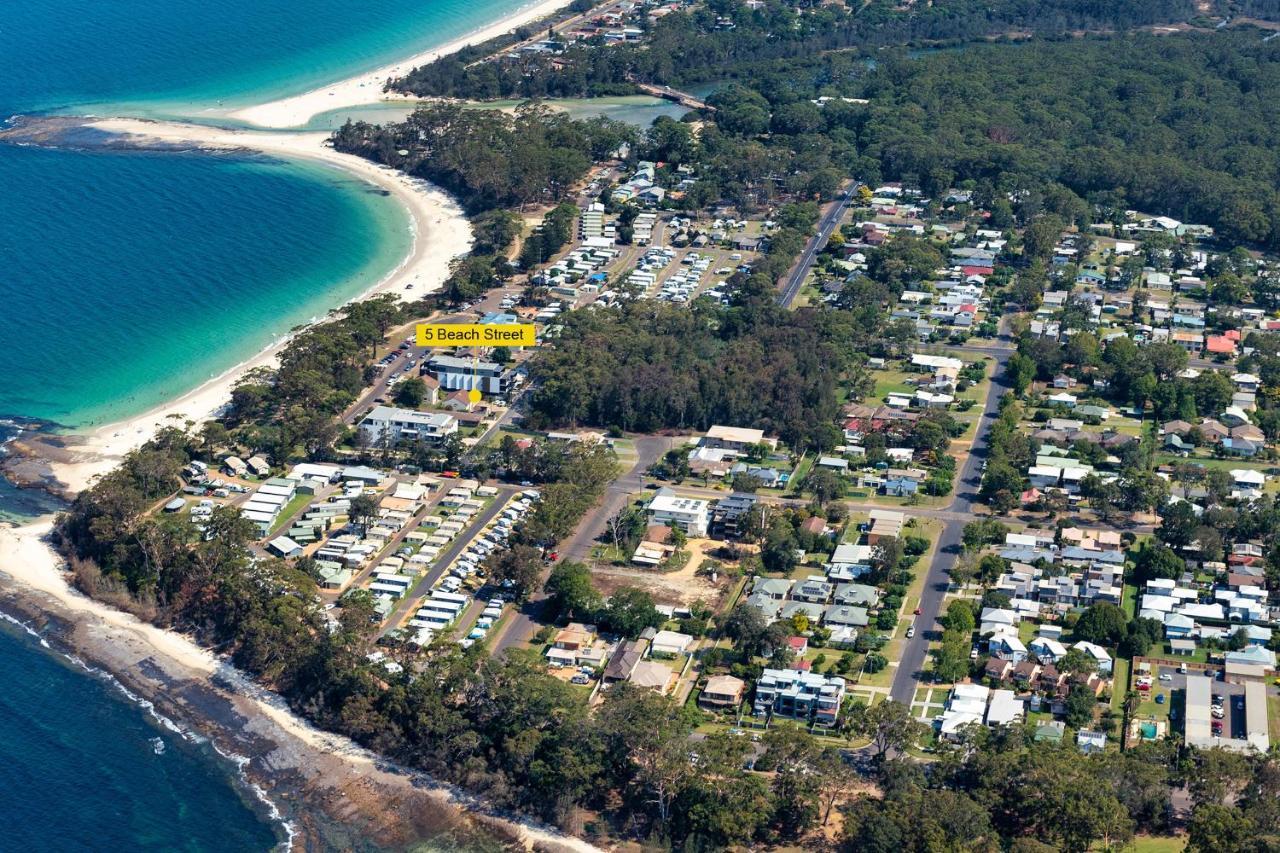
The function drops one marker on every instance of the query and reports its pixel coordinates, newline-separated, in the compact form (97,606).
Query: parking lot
(1169,682)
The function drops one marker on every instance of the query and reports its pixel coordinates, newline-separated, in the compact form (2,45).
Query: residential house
(464,374)
(1098,653)
(689,514)
(670,643)
(1047,650)
(813,589)
(736,439)
(569,643)
(624,661)
(845,616)
(799,695)
(389,424)
(722,692)
(856,595)
(730,514)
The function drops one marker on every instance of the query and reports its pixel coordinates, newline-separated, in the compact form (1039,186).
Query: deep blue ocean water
(87,769)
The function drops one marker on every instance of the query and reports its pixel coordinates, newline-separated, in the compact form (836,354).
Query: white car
(1164,676)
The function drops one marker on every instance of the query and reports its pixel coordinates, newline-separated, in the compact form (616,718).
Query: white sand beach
(368,88)
(441,233)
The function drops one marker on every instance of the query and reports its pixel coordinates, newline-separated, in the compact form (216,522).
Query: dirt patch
(684,586)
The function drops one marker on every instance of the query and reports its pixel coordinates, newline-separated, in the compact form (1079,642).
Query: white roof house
(1098,653)
(393,424)
(967,705)
(689,514)
(735,437)
(933,362)
(670,643)
(1248,478)
(1005,708)
(1047,650)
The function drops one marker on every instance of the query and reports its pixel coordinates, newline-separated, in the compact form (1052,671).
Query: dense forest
(692,47)
(487,158)
(648,366)
(1186,126)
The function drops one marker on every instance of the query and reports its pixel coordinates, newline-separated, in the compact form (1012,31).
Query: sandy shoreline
(333,793)
(441,232)
(368,88)
(313,777)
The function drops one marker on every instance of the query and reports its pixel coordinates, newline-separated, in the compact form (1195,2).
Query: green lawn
(801,471)
(928,528)
(1155,844)
(1200,655)
(296,503)
(894,382)
(883,678)
(1150,710)
(1129,600)
(1120,682)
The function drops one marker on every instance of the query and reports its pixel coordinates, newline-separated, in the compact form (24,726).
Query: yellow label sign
(477,334)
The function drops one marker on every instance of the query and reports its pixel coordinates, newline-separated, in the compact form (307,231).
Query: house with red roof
(1220,344)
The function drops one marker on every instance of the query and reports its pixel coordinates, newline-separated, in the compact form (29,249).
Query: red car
(916,611)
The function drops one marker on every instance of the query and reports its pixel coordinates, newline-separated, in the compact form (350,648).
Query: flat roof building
(689,514)
(386,423)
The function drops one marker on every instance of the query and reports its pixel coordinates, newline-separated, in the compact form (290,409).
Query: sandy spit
(441,233)
(368,88)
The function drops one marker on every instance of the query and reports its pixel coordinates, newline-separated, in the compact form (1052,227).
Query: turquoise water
(180,57)
(129,278)
(178,267)
(87,769)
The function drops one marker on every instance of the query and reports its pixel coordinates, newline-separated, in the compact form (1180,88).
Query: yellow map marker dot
(474,395)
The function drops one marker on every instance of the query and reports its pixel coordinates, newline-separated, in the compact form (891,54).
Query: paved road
(827,224)
(422,590)
(525,622)
(911,666)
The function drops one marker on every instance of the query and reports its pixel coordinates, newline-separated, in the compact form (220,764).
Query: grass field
(295,504)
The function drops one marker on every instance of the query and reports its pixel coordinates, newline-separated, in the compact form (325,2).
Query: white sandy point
(441,233)
(368,88)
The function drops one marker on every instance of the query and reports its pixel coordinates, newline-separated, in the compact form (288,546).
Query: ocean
(127,278)
(184,57)
(87,768)
(131,277)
